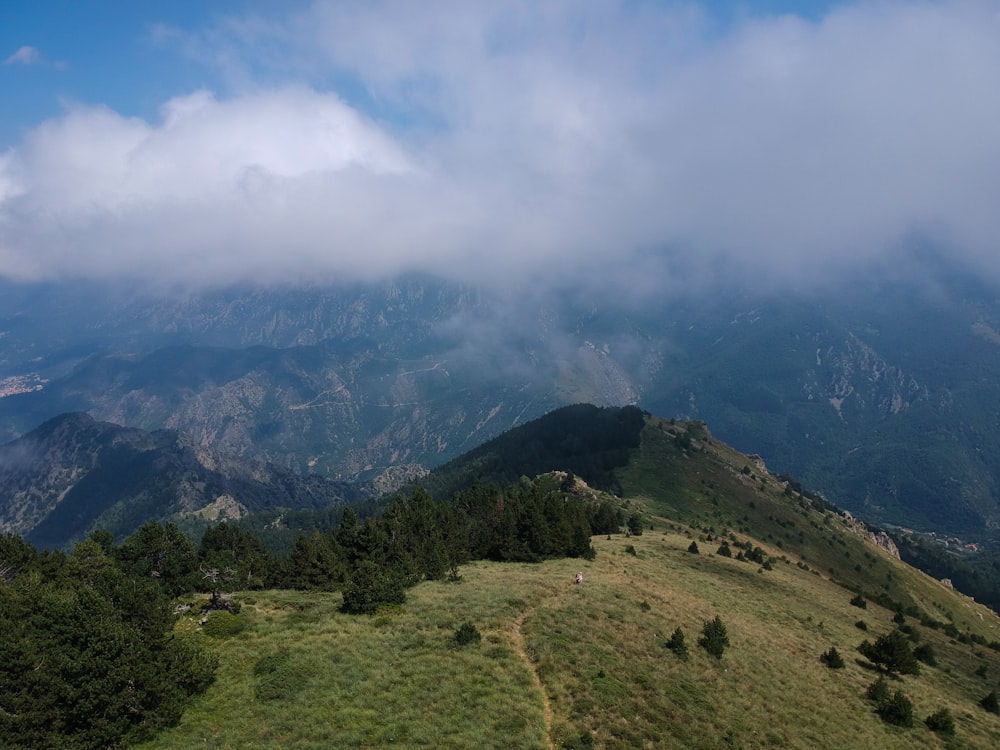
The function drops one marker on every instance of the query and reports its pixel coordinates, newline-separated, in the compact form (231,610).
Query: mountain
(881,396)
(551,662)
(735,606)
(74,474)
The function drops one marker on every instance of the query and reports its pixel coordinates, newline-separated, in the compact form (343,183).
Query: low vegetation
(559,662)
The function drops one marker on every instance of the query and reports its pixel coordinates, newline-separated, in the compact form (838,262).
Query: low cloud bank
(507,141)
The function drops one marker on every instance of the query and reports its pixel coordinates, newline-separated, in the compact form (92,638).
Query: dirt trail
(522,653)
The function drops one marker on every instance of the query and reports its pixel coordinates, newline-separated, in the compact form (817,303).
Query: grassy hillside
(567,665)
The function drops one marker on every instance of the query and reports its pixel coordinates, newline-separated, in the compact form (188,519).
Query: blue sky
(225,140)
(98,52)
(118,54)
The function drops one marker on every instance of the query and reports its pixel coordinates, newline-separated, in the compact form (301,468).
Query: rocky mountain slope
(73,474)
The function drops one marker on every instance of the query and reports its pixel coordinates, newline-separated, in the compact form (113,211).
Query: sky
(212,142)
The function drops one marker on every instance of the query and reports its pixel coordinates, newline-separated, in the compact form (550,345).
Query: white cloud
(24,56)
(510,139)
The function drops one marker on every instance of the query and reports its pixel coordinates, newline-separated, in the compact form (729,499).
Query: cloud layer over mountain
(501,140)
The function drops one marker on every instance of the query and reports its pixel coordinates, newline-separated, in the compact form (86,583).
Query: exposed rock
(878,538)
(395,477)
(883,540)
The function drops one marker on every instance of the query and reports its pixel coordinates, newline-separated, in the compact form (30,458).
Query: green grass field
(567,665)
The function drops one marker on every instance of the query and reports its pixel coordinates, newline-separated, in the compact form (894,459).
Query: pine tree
(163,553)
(896,710)
(316,563)
(832,659)
(714,638)
(677,644)
(88,656)
(370,586)
(892,652)
(941,721)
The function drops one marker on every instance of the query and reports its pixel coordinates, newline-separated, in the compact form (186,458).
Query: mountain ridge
(74,474)
(881,397)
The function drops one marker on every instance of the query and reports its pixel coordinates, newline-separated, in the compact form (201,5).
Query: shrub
(896,710)
(714,638)
(693,548)
(724,550)
(276,676)
(878,691)
(222,624)
(941,722)
(859,601)
(467,634)
(990,703)
(832,659)
(631,550)
(677,644)
(925,653)
(861,625)
(899,618)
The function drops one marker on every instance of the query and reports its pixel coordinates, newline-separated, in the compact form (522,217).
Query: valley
(891,417)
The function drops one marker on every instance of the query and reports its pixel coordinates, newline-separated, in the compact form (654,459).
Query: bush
(990,703)
(693,548)
(724,550)
(222,624)
(467,634)
(677,644)
(859,601)
(714,638)
(878,691)
(276,676)
(861,625)
(941,722)
(832,659)
(925,653)
(896,710)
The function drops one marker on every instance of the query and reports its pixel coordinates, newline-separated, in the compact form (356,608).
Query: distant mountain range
(885,398)
(74,474)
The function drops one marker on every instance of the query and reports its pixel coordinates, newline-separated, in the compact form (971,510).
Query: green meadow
(567,665)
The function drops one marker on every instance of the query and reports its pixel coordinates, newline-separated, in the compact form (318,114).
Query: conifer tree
(714,638)
(892,652)
(677,644)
